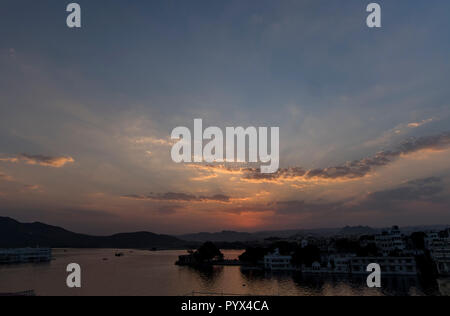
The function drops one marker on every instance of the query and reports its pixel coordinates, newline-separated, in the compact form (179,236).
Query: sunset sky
(86,114)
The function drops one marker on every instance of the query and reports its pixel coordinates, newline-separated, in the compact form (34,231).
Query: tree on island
(207,253)
(253,255)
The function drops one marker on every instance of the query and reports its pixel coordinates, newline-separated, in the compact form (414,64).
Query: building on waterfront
(440,252)
(438,243)
(25,255)
(276,262)
(340,262)
(336,263)
(315,268)
(389,265)
(390,241)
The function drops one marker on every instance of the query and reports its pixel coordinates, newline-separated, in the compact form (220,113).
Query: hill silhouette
(14,234)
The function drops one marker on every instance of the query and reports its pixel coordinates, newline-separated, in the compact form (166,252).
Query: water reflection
(154,273)
(208,276)
(342,284)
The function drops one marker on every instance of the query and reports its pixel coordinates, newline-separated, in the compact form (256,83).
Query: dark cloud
(406,194)
(426,181)
(297,207)
(435,142)
(171,196)
(421,190)
(134,197)
(168,209)
(428,189)
(358,168)
(217,197)
(179,197)
(286,173)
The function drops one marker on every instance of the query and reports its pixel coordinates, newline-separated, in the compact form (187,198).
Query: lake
(152,273)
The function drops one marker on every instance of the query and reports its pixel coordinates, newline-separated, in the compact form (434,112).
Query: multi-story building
(25,255)
(440,252)
(436,236)
(430,238)
(438,243)
(340,262)
(390,241)
(276,262)
(388,265)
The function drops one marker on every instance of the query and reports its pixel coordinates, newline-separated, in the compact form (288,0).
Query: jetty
(25,255)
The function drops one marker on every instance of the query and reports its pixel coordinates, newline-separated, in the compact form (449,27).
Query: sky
(86,114)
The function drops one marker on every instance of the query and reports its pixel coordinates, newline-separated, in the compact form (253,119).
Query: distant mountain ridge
(14,234)
(233,236)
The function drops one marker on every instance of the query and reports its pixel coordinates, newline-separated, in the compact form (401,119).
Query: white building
(388,265)
(276,262)
(391,240)
(24,255)
(340,263)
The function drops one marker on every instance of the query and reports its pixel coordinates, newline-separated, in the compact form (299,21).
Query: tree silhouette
(208,252)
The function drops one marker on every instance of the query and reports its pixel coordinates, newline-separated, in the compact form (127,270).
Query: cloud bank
(350,170)
(45,161)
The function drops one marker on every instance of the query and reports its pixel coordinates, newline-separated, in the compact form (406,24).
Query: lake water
(154,273)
